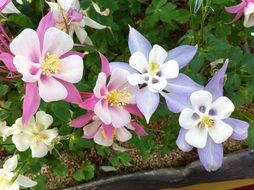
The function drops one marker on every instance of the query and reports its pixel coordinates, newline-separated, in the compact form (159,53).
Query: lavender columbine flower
(205,121)
(156,71)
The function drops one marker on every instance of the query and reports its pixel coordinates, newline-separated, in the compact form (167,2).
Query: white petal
(157,84)
(197,137)
(100,85)
(25,66)
(11,164)
(220,131)
(10,8)
(25,181)
(81,33)
(71,69)
(118,79)
(102,111)
(135,79)
(66,4)
(170,69)
(27,44)
(119,116)
(139,62)
(201,101)
(56,42)
(22,141)
(188,118)
(51,134)
(223,107)
(123,134)
(157,55)
(93,24)
(39,149)
(101,139)
(51,90)
(91,129)
(44,119)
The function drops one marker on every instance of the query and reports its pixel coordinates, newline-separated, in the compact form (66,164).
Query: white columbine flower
(4,130)
(9,180)
(206,118)
(68,14)
(153,72)
(35,134)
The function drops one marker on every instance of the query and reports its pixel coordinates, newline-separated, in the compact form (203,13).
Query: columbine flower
(104,134)
(9,180)
(205,121)
(111,105)
(155,71)
(4,130)
(48,66)
(35,135)
(70,18)
(246,8)
(7,7)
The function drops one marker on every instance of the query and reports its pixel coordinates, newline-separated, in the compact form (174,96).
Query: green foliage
(86,172)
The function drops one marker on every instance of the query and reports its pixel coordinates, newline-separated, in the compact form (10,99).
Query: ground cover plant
(80,76)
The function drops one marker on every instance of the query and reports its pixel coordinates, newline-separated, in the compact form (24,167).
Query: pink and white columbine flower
(103,134)
(7,7)
(70,18)
(48,66)
(246,8)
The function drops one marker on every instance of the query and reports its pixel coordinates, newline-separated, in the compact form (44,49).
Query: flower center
(153,68)
(206,121)
(51,65)
(119,97)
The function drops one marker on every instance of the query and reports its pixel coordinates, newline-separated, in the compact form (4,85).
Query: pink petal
(81,121)
(51,90)
(73,93)
(133,109)
(101,109)
(71,69)
(119,116)
(109,131)
(69,53)
(236,8)
(46,22)
(7,59)
(139,130)
(31,102)
(89,103)
(101,139)
(105,65)
(91,129)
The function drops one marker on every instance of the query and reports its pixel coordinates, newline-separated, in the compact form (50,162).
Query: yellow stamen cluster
(153,68)
(206,121)
(119,97)
(51,65)
(37,129)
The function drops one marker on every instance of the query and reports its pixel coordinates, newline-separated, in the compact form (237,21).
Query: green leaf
(61,111)
(250,140)
(3,90)
(60,170)
(41,183)
(86,172)
(21,20)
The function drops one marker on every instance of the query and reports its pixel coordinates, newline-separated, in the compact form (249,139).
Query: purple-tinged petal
(215,86)
(3,4)
(176,102)
(211,156)
(182,54)
(73,93)
(139,130)
(240,128)
(46,22)
(147,102)
(133,109)
(181,142)
(121,65)
(137,42)
(7,59)
(104,65)
(182,84)
(31,102)
(81,121)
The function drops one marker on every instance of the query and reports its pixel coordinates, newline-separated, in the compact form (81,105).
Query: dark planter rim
(237,165)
